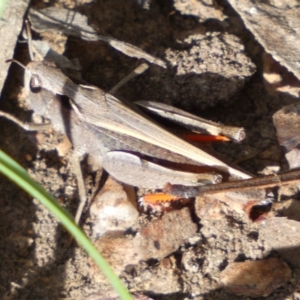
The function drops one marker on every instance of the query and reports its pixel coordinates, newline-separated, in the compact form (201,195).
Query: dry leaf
(277,78)
(73,23)
(10,26)
(277,29)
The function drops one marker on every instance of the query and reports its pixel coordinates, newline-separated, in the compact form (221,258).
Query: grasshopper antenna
(17,62)
(29,37)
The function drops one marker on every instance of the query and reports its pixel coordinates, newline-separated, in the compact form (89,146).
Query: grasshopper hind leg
(80,184)
(137,71)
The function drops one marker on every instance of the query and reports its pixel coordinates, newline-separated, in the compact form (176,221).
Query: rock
(119,251)
(163,279)
(215,206)
(162,237)
(287,122)
(282,235)
(222,58)
(255,278)
(202,11)
(64,147)
(190,261)
(112,209)
(156,240)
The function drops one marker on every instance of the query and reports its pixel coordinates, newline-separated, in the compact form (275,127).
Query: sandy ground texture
(214,70)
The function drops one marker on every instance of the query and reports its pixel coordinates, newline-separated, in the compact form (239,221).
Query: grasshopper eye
(35,83)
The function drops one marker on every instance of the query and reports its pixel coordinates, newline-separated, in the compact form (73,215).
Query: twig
(252,183)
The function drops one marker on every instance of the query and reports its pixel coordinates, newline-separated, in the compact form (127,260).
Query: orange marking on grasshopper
(205,138)
(159,198)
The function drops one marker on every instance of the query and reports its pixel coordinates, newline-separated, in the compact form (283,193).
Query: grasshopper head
(42,82)
(45,75)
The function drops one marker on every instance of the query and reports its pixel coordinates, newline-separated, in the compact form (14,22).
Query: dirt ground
(214,70)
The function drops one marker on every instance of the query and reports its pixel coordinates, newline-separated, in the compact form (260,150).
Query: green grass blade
(19,176)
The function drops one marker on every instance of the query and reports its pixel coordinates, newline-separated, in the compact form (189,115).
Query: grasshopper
(126,143)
